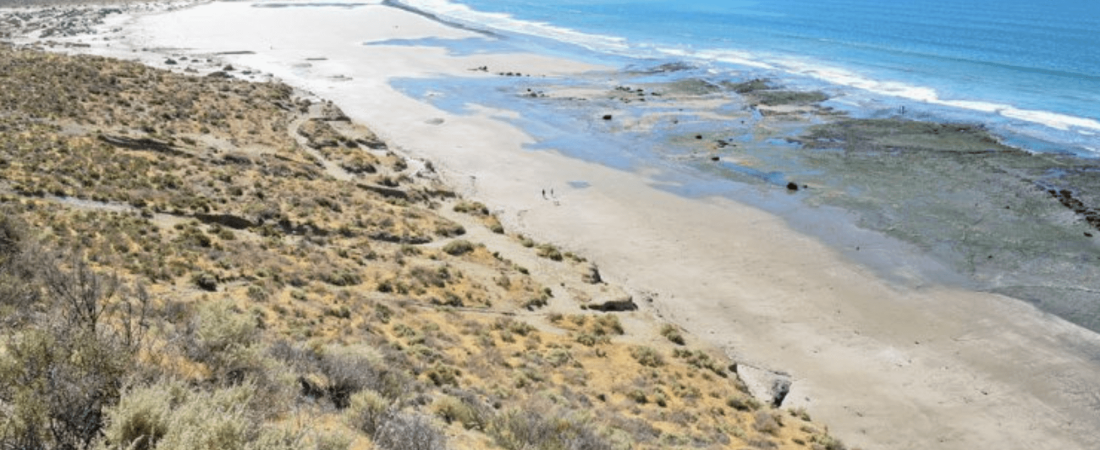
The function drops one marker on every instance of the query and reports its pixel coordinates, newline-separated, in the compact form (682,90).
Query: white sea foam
(458,13)
(1058,121)
(464,15)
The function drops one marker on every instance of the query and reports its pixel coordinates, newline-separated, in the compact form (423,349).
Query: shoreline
(775,302)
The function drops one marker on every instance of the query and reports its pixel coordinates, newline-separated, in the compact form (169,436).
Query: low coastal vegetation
(202,262)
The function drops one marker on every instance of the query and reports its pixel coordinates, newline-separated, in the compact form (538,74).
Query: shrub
(647,356)
(534,303)
(342,278)
(219,328)
(409,431)
(828,442)
(347,375)
(494,225)
(465,411)
(700,360)
(214,420)
(514,326)
(533,429)
(140,420)
(441,375)
(172,417)
(332,441)
(458,248)
(607,325)
(589,340)
(449,229)
(257,293)
(742,403)
(472,208)
(549,251)
(368,412)
(672,333)
(767,422)
(57,380)
(205,281)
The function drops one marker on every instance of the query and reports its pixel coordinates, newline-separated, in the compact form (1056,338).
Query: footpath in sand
(887,367)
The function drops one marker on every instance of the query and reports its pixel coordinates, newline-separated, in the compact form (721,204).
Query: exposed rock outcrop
(615,304)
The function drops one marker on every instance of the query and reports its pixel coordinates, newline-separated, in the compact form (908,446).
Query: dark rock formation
(615,305)
(781,386)
(1066,198)
(228,220)
(386,236)
(385,191)
(146,143)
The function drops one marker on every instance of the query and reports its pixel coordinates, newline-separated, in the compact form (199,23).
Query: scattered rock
(170,62)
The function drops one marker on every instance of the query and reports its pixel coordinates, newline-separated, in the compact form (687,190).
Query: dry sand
(887,367)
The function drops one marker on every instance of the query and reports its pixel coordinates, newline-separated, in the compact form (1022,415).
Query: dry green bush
(700,360)
(743,403)
(647,356)
(474,208)
(368,411)
(672,333)
(549,251)
(537,428)
(466,411)
(458,248)
(72,349)
(768,422)
(174,417)
(221,337)
(410,431)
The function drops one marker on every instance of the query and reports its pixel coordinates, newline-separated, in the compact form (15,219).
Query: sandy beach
(887,366)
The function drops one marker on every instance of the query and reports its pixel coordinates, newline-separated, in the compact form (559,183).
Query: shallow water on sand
(1033,68)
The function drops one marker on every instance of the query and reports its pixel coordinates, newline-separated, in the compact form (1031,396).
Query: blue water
(1033,67)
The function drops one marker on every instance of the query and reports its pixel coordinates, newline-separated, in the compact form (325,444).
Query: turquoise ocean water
(1032,69)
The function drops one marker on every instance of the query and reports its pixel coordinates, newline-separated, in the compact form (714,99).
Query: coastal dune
(887,366)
